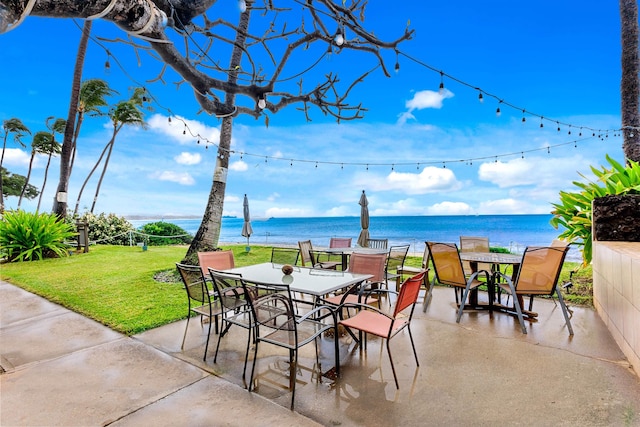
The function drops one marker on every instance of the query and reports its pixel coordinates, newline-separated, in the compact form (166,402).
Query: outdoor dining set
(306,294)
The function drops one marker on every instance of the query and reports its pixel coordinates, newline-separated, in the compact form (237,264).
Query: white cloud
(239,166)
(285,212)
(15,157)
(450,208)
(428,99)
(188,158)
(183,131)
(505,206)
(180,178)
(429,180)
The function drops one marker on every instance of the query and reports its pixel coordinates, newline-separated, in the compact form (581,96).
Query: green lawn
(115,284)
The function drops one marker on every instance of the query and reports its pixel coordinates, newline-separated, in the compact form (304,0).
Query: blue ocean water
(514,232)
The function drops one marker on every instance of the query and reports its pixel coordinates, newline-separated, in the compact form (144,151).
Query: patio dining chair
(308,257)
(406,270)
(218,260)
(448,271)
(235,308)
(361,263)
(340,242)
(200,300)
(538,275)
(285,255)
(370,320)
(378,243)
(474,244)
(277,323)
(395,261)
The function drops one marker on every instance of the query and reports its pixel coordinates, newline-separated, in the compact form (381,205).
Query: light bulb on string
(262,102)
(339,38)
(541,124)
(169,119)
(498,112)
(397,67)
(480,97)
(558,123)
(242,5)
(441,88)
(524,119)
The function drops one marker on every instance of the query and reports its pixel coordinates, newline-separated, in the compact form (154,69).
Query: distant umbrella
(364,220)
(246,227)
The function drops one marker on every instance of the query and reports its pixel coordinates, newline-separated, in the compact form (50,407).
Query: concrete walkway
(61,368)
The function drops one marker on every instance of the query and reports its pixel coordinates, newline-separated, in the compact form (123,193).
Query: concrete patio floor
(64,369)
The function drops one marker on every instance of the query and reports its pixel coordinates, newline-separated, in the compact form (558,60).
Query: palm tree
(41,140)
(15,126)
(54,148)
(630,84)
(60,204)
(92,97)
(124,113)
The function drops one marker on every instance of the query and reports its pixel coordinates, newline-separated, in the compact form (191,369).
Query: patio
(482,371)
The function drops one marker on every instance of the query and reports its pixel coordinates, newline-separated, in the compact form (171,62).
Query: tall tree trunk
(84,184)
(44,183)
(74,143)
(629,85)
(26,181)
(4,148)
(60,204)
(104,169)
(208,233)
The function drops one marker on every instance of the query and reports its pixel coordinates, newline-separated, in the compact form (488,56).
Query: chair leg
(184,337)
(564,311)
(462,300)
(293,366)
(415,354)
(253,366)
(427,296)
(393,368)
(206,346)
(516,304)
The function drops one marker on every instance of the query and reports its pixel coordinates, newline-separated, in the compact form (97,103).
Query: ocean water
(514,232)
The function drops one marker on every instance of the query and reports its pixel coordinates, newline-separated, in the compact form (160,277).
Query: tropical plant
(93,93)
(41,140)
(14,183)
(106,229)
(27,236)
(68,142)
(18,129)
(165,233)
(51,149)
(124,113)
(574,212)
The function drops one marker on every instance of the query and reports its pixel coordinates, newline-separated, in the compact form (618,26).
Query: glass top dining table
(312,281)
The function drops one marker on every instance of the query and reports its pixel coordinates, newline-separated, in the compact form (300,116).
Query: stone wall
(616,293)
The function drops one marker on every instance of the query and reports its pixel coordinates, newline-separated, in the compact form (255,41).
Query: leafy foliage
(574,212)
(164,233)
(14,183)
(106,229)
(27,236)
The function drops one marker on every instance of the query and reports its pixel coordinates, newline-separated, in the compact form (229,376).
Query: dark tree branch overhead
(150,20)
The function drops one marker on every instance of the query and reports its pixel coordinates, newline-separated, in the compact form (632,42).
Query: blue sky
(418,151)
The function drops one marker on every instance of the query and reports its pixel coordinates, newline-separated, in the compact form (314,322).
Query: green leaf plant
(574,211)
(27,236)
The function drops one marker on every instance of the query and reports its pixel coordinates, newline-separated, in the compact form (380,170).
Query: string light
(242,5)
(481,96)
(441,88)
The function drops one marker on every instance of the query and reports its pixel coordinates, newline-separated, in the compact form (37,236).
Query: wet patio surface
(482,371)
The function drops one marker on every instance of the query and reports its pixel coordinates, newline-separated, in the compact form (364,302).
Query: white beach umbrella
(364,220)
(246,227)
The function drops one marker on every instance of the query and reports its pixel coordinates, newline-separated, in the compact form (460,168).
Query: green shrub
(25,236)
(162,233)
(106,229)
(574,212)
